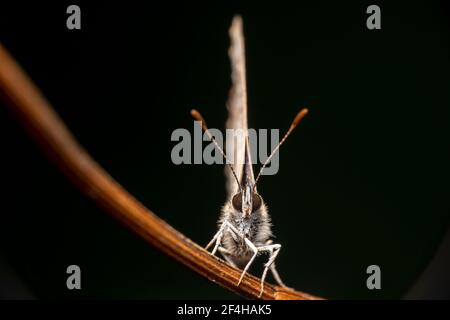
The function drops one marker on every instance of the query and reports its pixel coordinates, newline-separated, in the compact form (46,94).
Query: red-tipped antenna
(198,117)
(300,115)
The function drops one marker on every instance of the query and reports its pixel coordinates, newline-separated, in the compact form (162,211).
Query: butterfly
(244,226)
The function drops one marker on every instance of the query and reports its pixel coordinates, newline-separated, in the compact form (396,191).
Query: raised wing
(237,108)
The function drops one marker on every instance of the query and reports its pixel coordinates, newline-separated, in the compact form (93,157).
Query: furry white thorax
(256,227)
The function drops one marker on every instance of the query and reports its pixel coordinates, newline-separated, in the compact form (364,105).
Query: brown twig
(53,136)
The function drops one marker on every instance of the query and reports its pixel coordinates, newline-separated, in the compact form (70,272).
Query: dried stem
(52,135)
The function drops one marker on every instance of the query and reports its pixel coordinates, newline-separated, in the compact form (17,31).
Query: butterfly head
(247,201)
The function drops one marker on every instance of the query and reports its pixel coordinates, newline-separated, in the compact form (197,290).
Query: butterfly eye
(257,202)
(237,201)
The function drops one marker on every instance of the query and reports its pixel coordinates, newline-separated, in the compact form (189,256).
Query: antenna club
(302,113)
(196,115)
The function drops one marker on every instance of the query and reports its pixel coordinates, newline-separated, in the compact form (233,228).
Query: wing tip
(236,23)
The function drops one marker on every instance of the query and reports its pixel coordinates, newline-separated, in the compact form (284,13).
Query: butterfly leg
(218,236)
(255,253)
(276,276)
(273,249)
(274,271)
(233,229)
(216,239)
(218,242)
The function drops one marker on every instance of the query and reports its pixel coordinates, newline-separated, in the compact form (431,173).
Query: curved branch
(52,135)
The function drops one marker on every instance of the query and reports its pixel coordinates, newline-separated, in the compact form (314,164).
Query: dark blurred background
(364,180)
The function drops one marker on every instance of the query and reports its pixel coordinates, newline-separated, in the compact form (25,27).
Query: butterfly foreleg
(218,236)
(255,253)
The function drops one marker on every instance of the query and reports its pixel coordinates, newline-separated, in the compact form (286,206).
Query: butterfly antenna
(198,117)
(300,115)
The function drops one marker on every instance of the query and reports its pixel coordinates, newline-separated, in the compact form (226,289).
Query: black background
(363,180)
